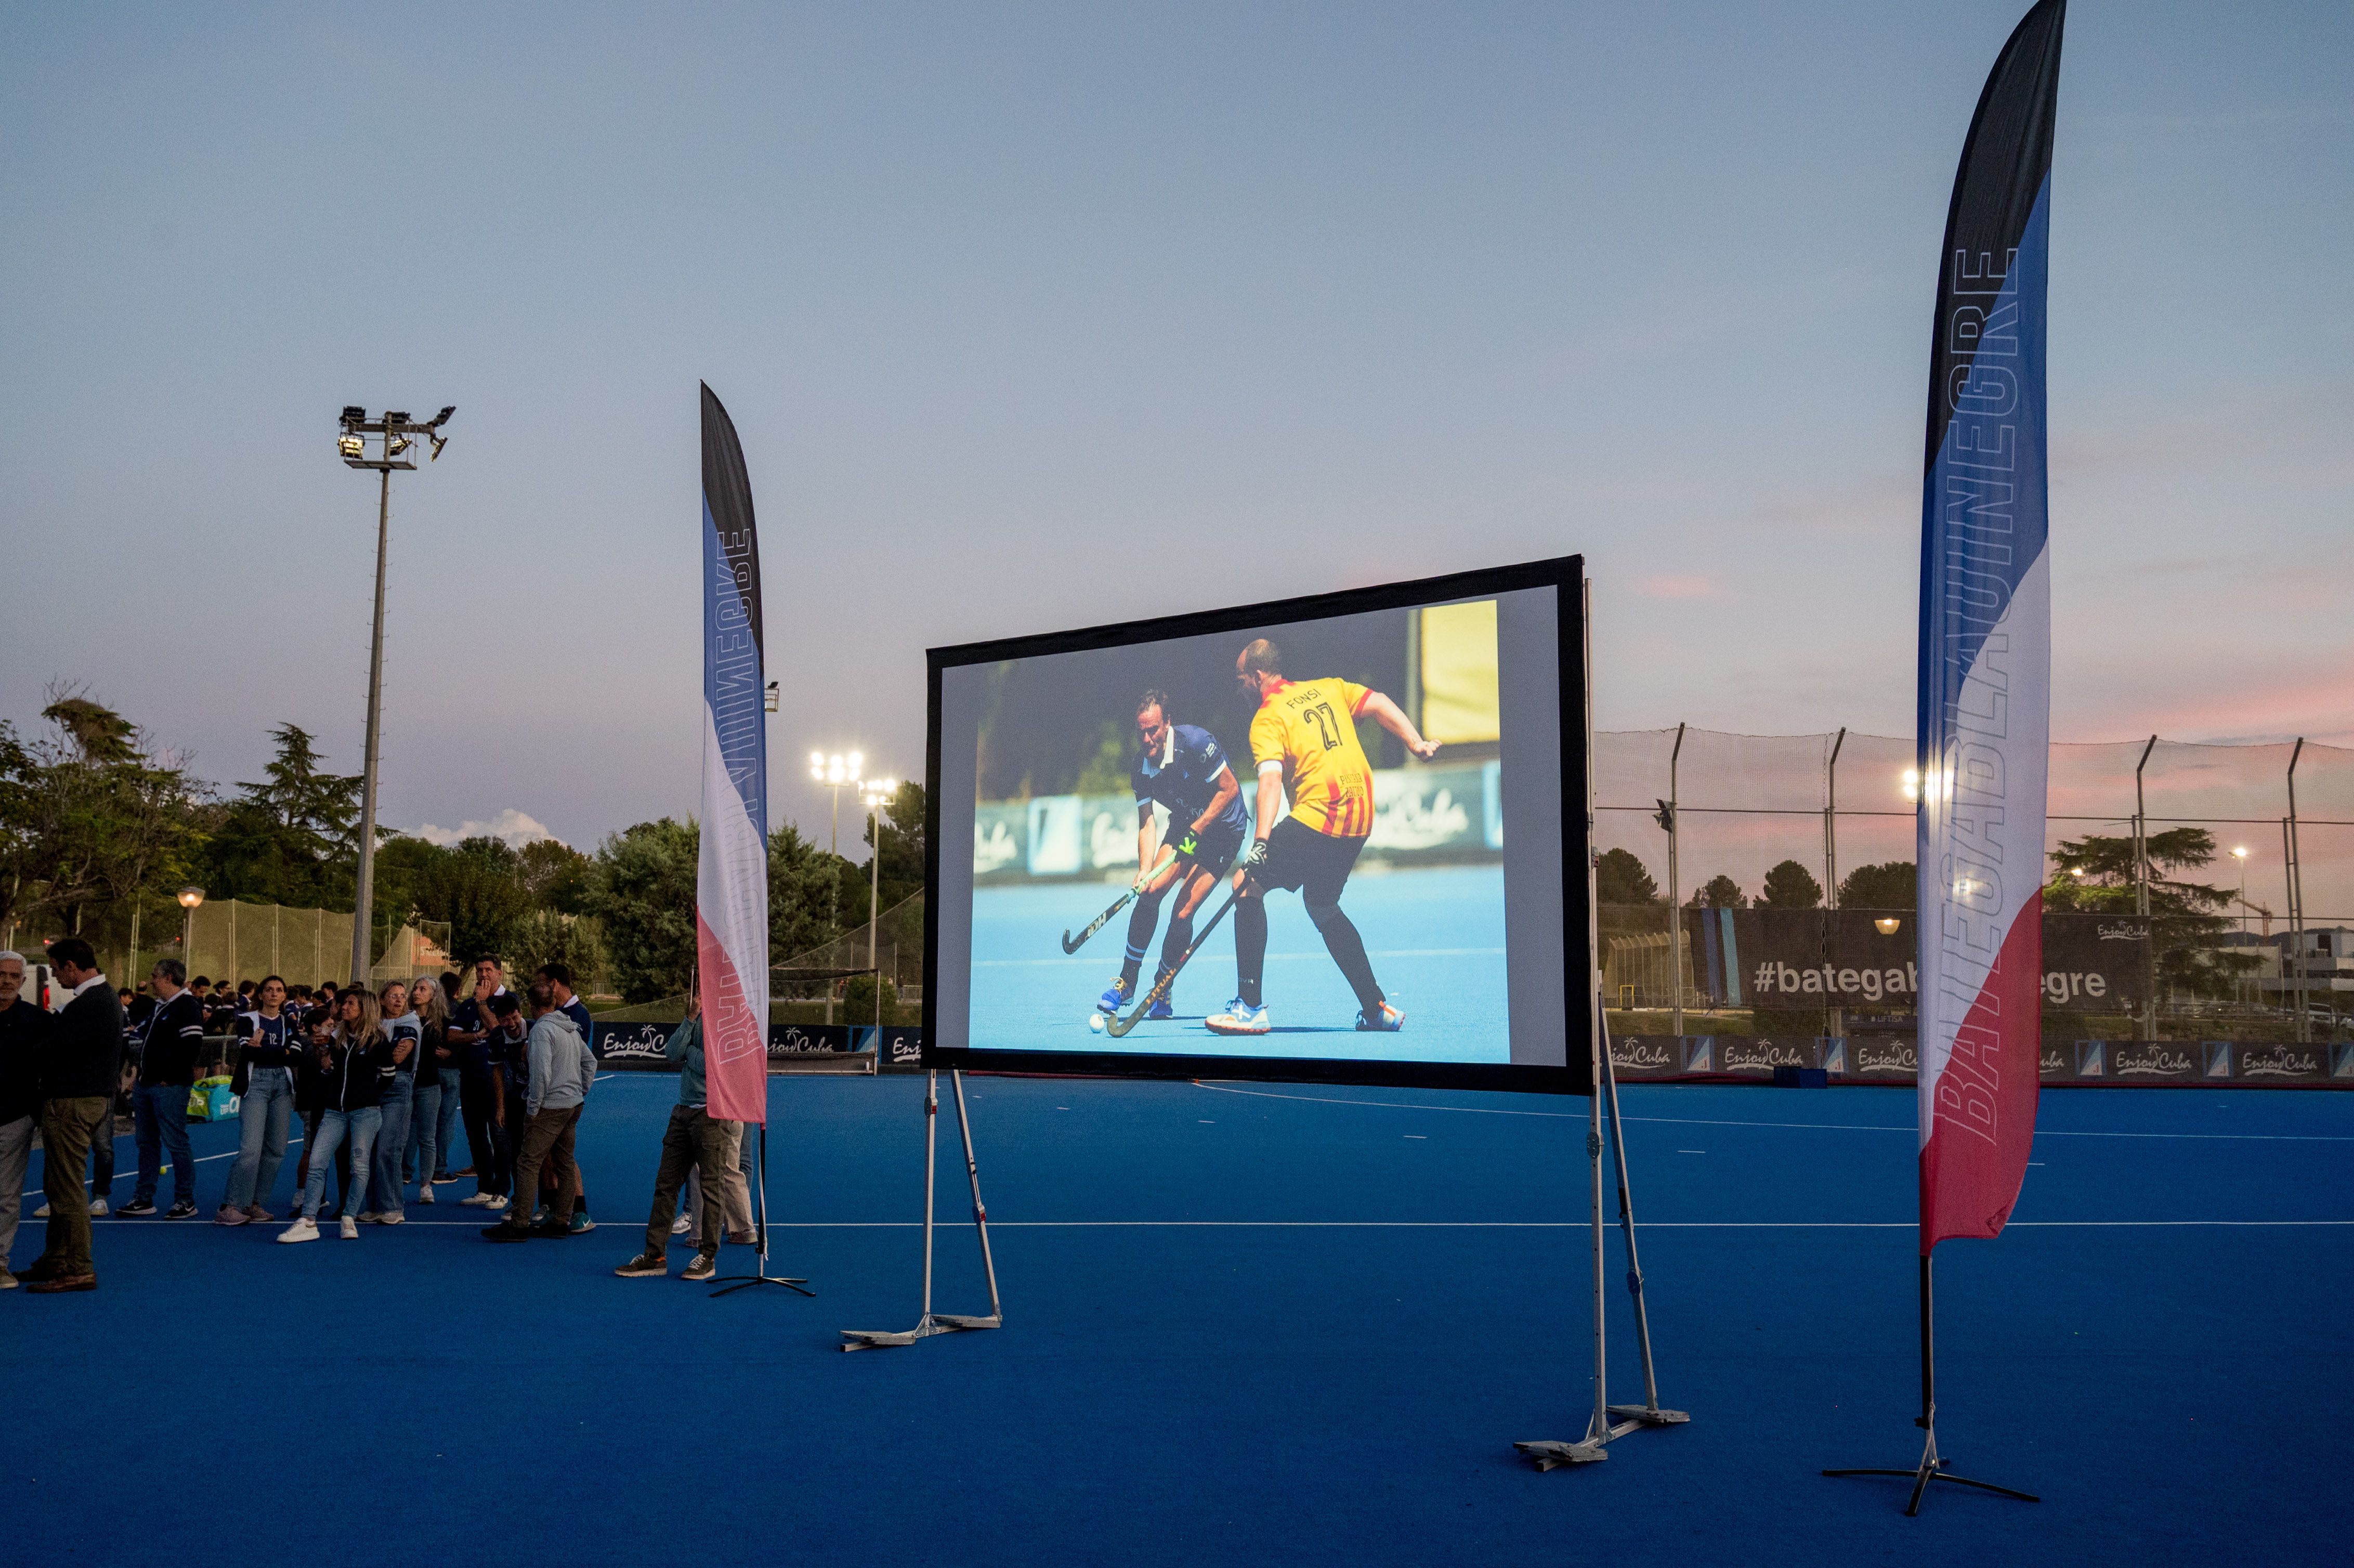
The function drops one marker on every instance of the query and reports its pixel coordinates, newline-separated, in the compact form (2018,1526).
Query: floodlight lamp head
(1887,924)
(191,896)
(352,447)
(396,445)
(439,442)
(354,414)
(442,418)
(395,416)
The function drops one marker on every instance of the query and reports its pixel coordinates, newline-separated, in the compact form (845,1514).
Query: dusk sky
(1035,317)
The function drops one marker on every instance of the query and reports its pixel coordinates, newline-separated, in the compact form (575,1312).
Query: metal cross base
(1609,1420)
(730,1282)
(1932,1468)
(929,1322)
(933,1323)
(1593,1450)
(733,1282)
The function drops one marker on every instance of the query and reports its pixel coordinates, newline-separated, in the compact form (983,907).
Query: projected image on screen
(1280,840)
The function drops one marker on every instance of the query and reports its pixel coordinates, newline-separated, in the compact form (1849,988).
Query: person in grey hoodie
(555,1088)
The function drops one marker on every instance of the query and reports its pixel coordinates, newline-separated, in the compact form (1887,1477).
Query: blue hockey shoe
(1116,996)
(1389,1021)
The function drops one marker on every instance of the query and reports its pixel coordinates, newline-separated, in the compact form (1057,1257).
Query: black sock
(1348,950)
(1173,945)
(1140,921)
(1250,947)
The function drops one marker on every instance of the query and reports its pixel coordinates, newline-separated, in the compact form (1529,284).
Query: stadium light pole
(875,794)
(394,435)
(189,899)
(837,771)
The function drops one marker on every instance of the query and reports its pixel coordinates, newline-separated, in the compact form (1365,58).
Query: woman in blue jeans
(272,1043)
(427,1158)
(356,1067)
(403,1029)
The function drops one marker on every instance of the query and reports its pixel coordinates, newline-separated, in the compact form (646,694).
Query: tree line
(100,828)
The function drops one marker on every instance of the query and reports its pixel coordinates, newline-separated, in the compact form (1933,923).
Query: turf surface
(1246,1324)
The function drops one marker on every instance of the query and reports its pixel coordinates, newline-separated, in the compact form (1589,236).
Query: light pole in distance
(189,899)
(874,794)
(394,435)
(837,771)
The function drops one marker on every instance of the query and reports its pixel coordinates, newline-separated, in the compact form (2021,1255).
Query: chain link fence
(1711,814)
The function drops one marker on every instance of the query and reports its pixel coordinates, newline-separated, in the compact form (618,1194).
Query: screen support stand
(1609,1420)
(931,1322)
(759,1275)
(1931,1468)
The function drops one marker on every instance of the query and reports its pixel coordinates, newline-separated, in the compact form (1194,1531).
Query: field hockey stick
(1119,1026)
(1073,944)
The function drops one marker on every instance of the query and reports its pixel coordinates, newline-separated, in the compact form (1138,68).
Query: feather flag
(731,891)
(1985,655)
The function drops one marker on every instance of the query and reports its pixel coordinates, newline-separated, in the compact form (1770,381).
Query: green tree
(1108,765)
(90,818)
(1621,878)
(551,937)
(2094,875)
(641,890)
(1888,885)
(555,875)
(293,837)
(1721,891)
(477,887)
(801,885)
(1790,886)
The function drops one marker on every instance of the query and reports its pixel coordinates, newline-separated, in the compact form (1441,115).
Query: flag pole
(1932,1467)
(759,1275)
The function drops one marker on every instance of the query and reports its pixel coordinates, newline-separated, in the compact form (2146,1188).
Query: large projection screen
(1461,876)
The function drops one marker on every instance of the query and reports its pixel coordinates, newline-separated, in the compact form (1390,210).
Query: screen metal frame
(1566,575)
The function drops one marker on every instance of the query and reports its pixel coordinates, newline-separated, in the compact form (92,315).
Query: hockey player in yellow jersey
(1304,740)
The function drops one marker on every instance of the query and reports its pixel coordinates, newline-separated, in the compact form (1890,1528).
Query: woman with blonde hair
(428,1156)
(355,1067)
(406,1034)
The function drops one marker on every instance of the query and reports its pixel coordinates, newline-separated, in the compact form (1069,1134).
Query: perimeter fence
(2250,943)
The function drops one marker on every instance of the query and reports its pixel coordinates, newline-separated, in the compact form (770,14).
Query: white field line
(1803,1126)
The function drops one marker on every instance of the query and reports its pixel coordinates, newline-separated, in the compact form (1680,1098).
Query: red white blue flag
(731,889)
(1985,655)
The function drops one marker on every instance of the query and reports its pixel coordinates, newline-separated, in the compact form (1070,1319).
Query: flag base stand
(1609,1420)
(1932,1467)
(931,1322)
(730,1283)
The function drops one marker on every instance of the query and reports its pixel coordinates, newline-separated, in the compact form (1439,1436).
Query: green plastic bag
(212,1099)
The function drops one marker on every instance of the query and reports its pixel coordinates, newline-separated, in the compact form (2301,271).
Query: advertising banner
(1984,708)
(1822,957)
(731,891)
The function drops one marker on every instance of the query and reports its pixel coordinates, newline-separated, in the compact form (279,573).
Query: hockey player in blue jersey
(1184,769)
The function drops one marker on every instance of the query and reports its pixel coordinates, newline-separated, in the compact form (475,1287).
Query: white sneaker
(42,1212)
(425,1194)
(478,1200)
(391,1217)
(681,1225)
(370,1217)
(497,1206)
(97,1208)
(300,1231)
(351,1228)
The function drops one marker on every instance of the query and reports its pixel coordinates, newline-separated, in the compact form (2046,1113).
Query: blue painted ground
(1435,939)
(1246,1324)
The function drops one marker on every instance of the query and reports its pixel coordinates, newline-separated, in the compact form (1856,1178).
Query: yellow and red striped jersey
(1310,728)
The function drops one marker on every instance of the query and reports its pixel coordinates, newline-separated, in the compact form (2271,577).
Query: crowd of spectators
(380,1082)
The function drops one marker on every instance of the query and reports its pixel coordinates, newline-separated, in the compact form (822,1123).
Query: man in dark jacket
(23,1030)
(170,1041)
(79,1072)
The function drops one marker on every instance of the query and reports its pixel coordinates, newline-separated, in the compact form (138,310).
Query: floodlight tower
(874,794)
(394,435)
